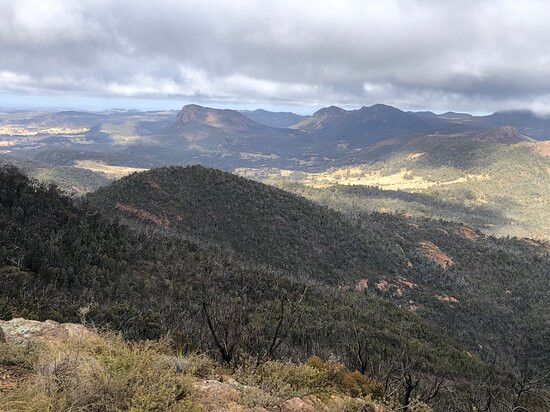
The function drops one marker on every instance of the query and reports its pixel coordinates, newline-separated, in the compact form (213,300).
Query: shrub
(354,384)
(323,378)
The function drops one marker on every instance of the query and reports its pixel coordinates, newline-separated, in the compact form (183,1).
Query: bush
(285,380)
(354,384)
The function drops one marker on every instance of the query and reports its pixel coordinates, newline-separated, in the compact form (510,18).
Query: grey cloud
(463,55)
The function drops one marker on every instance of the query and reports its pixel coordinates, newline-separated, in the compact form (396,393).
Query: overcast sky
(477,56)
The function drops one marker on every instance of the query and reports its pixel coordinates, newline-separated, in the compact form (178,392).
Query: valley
(316,239)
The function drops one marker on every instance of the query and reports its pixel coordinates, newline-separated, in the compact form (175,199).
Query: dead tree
(289,314)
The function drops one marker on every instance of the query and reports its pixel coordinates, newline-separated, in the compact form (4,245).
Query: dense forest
(240,270)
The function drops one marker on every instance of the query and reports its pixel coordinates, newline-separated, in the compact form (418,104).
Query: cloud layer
(464,54)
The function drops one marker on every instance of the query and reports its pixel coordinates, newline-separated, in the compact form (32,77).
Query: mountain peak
(192,112)
(331,110)
(379,106)
(221,118)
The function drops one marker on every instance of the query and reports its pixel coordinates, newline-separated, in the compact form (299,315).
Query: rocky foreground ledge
(24,331)
(29,348)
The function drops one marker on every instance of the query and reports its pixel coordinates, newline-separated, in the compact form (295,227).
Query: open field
(112,171)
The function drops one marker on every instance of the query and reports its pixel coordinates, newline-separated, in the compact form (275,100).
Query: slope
(449,274)
(66,262)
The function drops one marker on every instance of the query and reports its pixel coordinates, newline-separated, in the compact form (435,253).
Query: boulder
(309,403)
(26,331)
(218,396)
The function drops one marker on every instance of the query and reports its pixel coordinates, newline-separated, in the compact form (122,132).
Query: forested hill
(66,262)
(265,224)
(453,276)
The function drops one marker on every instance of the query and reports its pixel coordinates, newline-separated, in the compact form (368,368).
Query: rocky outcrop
(309,403)
(26,331)
(431,252)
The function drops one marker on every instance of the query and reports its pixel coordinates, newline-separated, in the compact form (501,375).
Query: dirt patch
(143,215)
(433,253)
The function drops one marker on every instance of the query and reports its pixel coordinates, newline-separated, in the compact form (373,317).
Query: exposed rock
(469,233)
(433,253)
(2,336)
(407,283)
(383,286)
(224,395)
(414,307)
(218,396)
(398,291)
(362,285)
(447,298)
(27,331)
(309,403)
(143,215)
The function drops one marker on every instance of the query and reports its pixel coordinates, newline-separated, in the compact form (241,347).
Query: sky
(463,55)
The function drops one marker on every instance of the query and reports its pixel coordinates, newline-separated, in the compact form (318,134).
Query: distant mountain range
(228,139)
(82,151)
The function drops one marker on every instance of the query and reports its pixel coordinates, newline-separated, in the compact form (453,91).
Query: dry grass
(404,179)
(113,172)
(97,374)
